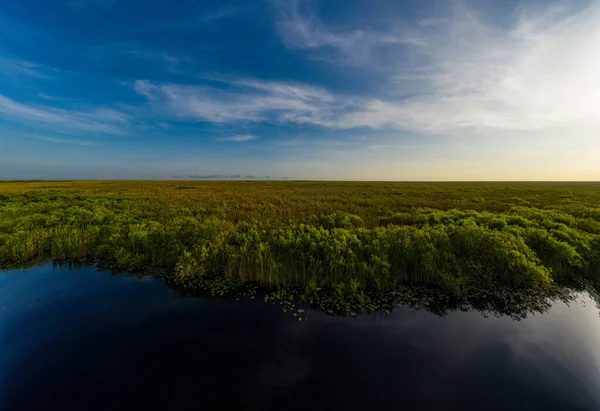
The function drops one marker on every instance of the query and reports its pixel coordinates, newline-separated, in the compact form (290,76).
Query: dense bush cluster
(358,244)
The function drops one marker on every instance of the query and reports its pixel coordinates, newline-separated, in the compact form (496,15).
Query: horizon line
(296,180)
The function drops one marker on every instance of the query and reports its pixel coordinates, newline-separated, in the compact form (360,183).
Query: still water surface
(85,340)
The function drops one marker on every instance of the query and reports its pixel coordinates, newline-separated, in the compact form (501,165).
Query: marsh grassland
(343,246)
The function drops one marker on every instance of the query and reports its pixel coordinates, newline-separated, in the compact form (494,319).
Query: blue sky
(360,90)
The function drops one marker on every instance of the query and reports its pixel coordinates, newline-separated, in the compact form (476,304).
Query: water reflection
(79,339)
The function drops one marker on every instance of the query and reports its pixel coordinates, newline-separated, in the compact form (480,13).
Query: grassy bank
(352,241)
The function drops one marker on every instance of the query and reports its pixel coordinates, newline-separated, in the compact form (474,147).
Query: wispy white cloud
(143,87)
(239,138)
(97,120)
(130,52)
(158,56)
(10,68)
(458,73)
(291,90)
(66,141)
(359,47)
(245,100)
(464,72)
(221,13)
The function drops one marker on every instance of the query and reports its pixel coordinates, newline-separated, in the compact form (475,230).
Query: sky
(332,90)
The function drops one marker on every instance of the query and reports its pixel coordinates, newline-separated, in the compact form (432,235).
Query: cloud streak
(11,68)
(359,47)
(66,141)
(224,12)
(245,100)
(98,120)
(239,138)
(157,56)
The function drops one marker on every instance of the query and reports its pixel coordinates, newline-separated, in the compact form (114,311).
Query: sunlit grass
(352,239)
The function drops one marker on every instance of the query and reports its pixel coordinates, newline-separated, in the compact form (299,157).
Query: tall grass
(344,237)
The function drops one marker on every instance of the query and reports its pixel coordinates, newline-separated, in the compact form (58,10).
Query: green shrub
(557,255)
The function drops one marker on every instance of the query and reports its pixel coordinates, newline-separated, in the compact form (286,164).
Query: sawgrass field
(352,241)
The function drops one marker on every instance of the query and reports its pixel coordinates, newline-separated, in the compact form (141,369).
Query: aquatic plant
(359,244)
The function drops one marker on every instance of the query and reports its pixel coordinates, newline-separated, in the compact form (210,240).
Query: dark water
(83,340)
